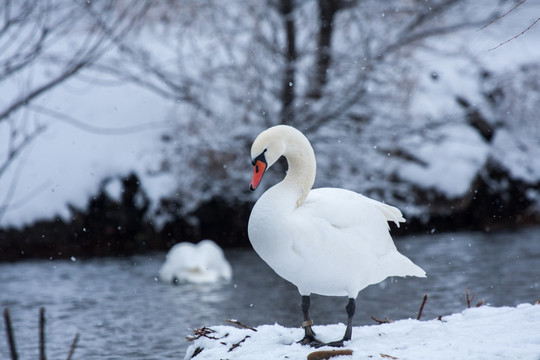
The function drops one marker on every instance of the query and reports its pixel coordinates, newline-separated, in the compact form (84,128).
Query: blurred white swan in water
(195,263)
(326,241)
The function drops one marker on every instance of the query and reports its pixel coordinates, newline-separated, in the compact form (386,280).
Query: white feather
(336,241)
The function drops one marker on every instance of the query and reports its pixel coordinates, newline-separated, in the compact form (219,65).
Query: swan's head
(267,148)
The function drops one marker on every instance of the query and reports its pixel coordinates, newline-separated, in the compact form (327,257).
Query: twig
(10,335)
(42,334)
(385,321)
(469,299)
(503,15)
(234,346)
(516,36)
(238,323)
(197,352)
(73,346)
(95,129)
(422,307)
(386,356)
(202,332)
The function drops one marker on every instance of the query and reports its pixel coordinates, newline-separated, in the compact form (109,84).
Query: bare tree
(43,44)
(235,68)
(286,8)
(375,43)
(327,10)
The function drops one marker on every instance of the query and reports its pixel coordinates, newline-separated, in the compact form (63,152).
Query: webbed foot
(311,341)
(338,343)
(309,337)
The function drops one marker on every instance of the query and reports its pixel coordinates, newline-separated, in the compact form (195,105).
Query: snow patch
(476,333)
(520,158)
(448,160)
(65,165)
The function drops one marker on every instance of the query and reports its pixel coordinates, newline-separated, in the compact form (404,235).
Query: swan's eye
(260,158)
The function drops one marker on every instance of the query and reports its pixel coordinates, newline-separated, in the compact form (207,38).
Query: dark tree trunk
(327,12)
(287,90)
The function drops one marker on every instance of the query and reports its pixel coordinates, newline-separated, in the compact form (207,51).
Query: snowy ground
(477,333)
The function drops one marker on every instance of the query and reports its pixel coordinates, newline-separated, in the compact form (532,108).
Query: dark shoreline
(110,227)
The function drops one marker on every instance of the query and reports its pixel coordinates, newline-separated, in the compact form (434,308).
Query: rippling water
(121,311)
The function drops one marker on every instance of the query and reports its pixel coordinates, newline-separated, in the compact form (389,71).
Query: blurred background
(126,126)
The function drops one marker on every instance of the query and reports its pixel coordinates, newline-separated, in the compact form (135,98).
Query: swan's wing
(344,208)
(336,226)
(340,219)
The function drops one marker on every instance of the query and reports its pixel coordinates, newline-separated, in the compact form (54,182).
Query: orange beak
(258,172)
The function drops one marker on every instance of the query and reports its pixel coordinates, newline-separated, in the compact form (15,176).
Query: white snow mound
(477,333)
(450,160)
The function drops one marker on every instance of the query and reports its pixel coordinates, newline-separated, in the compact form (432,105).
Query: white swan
(326,241)
(195,263)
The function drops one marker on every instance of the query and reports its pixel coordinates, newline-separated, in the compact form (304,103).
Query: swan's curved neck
(302,166)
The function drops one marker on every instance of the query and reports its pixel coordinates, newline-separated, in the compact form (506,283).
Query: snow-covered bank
(477,333)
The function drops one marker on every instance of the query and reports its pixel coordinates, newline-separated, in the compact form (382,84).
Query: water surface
(121,310)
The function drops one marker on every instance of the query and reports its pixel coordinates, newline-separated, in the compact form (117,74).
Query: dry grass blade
(386,356)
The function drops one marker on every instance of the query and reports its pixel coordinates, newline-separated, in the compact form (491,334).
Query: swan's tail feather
(399,265)
(391,213)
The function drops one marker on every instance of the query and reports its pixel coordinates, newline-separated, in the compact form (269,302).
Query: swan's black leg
(309,336)
(351,306)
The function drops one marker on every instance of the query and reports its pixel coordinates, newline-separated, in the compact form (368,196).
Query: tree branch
(95,129)
(516,36)
(503,15)
(15,150)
